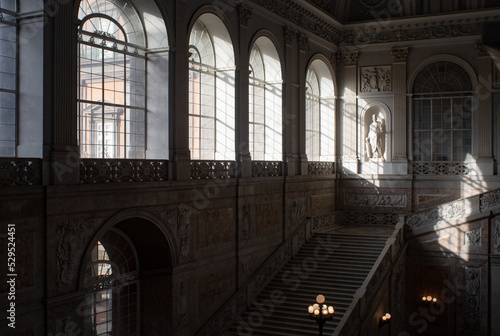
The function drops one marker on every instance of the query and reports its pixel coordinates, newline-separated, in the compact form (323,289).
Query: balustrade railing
(20,172)
(122,170)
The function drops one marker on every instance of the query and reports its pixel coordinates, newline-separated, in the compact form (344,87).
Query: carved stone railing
(20,172)
(122,170)
(442,168)
(445,212)
(347,218)
(489,200)
(248,293)
(364,296)
(202,170)
(267,168)
(320,168)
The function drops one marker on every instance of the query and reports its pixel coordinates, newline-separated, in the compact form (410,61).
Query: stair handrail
(354,312)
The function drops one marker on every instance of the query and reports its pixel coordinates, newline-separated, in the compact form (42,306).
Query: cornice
(315,21)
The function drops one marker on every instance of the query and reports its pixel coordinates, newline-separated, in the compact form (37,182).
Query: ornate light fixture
(320,312)
(429,300)
(385,320)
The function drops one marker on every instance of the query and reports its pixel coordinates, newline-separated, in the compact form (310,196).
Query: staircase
(330,263)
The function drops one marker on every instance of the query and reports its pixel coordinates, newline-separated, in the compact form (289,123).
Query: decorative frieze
(489,200)
(267,168)
(201,170)
(245,221)
(245,14)
(115,171)
(296,209)
(473,237)
(442,168)
(72,237)
(450,211)
(375,79)
(472,300)
(375,200)
(215,227)
(269,218)
(399,55)
(20,172)
(320,168)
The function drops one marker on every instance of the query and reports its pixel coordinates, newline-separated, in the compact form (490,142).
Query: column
(399,139)
(242,117)
(304,48)
(350,161)
(290,107)
(483,97)
(61,153)
(179,110)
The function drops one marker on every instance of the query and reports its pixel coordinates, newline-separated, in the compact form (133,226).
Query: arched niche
(376,133)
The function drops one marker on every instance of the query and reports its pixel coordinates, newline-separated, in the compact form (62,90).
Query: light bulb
(424,299)
(384,318)
(388,316)
(320,298)
(434,300)
(330,310)
(324,306)
(316,306)
(316,312)
(310,309)
(325,312)
(429,298)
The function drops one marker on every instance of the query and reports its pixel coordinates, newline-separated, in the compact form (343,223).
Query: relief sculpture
(376,79)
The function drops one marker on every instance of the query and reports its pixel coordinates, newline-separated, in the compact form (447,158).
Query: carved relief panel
(375,79)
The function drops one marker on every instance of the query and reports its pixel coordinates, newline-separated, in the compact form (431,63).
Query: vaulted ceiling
(349,11)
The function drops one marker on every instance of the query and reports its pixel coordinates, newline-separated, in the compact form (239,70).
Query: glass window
(112,81)
(8,78)
(320,113)
(442,115)
(211,91)
(265,99)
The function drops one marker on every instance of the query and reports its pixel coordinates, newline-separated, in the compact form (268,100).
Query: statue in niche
(373,141)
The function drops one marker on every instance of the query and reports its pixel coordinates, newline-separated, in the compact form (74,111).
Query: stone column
(484,108)
(303,51)
(290,107)
(179,109)
(242,117)
(61,152)
(350,161)
(398,140)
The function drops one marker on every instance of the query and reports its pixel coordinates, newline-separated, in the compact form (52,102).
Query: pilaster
(304,49)
(290,106)
(399,114)
(484,159)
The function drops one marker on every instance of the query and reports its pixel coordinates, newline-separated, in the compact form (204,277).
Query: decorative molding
(290,35)
(182,304)
(179,220)
(481,50)
(375,79)
(354,218)
(20,172)
(320,168)
(72,237)
(489,200)
(122,170)
(215,227)
(201,170)
(375,200)
(349,58)
(303,43)
(269,218)
(296,209)
(442,168)
(472,300)
(432,216)
(399,55)
(267,168)
(473,237)
(245,14)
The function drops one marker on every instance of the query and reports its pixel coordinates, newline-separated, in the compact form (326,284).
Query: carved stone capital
(399,54)
(481,49)
(245,14)
(349,58)
(290,35)
(303,43)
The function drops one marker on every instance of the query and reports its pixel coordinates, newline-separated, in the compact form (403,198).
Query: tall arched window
(112,303)
(8,77)
(112,80)
(265,102)
(211,91)
(442,115)
(320,113)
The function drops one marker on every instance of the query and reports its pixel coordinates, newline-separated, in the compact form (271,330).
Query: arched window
(112,80)
(112,303)
(442,115)
(320,113)
(211,91)
(265,99)
(8,77)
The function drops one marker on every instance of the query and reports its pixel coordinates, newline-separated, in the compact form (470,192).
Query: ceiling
(350,11)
